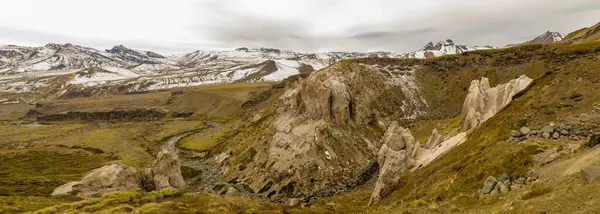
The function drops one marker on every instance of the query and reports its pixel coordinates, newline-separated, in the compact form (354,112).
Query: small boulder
(489,184)
(546,135)
(556,135)
(515,186)
(520,181)
(503,188)
(525,130)
(494,193)
(590,173)
(231,191)
(515,133)
(292,202)
(548,129)
(503,177)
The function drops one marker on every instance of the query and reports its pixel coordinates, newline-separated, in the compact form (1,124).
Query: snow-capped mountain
(443,48)
(547,37)
(58,68)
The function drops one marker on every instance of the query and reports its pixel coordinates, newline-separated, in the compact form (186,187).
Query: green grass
(36,172)
(20,204)
(173,128)
(171,201)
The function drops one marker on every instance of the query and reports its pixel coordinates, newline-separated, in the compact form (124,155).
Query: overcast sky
(172,26)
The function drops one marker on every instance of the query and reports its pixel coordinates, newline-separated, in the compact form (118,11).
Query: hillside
(588,34)
(314,139)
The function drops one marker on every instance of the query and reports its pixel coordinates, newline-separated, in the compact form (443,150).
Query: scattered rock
(515,186)
(525,130)
(503,177)
(548,129)
(556,135)
(516,134)
(590,173)
(503,187)
(292,202)
(489,185)
(231,191)
(546,135)
(520,181)
(494,193)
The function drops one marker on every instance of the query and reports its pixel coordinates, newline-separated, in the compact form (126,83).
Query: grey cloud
(392,34)
(483,23)
(340,25)
(41,38)
(594,6)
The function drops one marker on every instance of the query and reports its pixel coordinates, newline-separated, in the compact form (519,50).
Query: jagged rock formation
(325,134)
(111,178)
(167,171)
(396,156)
(434,140)
(483,102)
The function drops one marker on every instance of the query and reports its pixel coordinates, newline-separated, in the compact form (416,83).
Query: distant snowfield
(25,68)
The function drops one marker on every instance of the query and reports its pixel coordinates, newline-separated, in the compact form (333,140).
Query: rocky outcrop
(167,171)
(561,130)
(111,178)
(493,186)
(324,135)
(434,140)
(395,157)
(483,102)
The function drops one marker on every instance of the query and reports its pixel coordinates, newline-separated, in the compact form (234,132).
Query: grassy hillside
(588,34)
(36,158)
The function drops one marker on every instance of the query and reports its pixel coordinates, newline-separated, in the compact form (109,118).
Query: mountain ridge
(28,69)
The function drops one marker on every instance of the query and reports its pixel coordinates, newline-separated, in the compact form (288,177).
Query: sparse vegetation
(594,140)
(536,190)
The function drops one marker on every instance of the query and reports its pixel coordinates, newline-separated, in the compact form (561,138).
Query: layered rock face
(483,102)
(111,178)
(325,134)
(396,156)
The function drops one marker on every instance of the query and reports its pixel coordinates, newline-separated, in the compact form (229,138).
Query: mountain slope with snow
(27,69)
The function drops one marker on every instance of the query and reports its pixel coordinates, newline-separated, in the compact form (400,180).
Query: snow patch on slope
(285,68)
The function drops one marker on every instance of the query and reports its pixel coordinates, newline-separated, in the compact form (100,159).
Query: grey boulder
(590,173)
